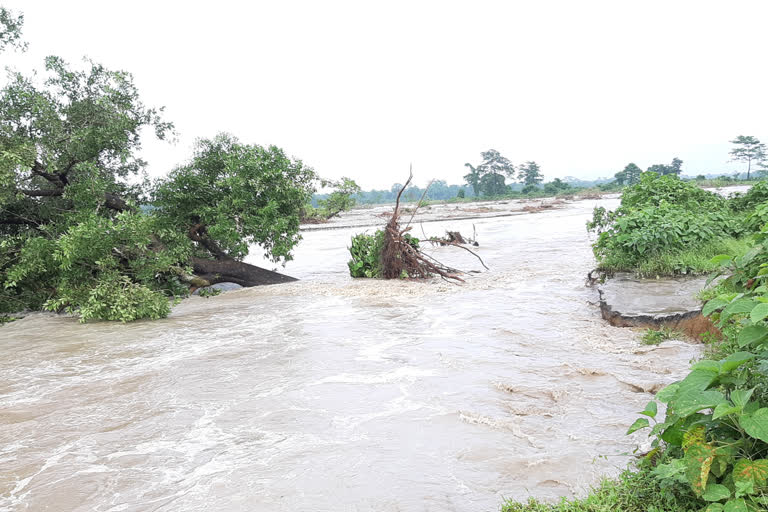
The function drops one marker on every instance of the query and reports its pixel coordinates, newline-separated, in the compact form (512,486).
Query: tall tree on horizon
(632,173)
(473,178)
(488,177)
(530,174)
(748,149)
(662,169)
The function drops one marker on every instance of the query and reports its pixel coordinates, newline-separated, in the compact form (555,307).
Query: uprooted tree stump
(400,257)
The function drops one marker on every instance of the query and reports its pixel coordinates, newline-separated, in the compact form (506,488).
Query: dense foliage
(663,216)
(488,178)
(715,432)
(80,231)
(231,196)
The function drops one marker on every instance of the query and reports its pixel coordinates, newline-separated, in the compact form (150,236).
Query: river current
(330,394)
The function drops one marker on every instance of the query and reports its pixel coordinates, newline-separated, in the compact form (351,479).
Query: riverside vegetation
(84,231)
(710,452)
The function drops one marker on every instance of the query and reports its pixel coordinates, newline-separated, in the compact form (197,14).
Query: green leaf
(752,334)
(740,397)
(737,307)
(707,364)
(735,360)
(721,259)
(700,378)
(650,409)
(758,313)
(724,409)
(666,394)
(713,305)
(693,400)
(714,507)
(638,424)
(716,492)
(756,424)
(738,505)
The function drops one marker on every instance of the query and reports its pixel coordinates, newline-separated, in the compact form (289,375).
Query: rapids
(330,394)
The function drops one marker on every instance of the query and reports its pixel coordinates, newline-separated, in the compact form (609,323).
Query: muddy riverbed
(330,394)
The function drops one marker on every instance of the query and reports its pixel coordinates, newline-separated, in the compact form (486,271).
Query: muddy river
(337,395)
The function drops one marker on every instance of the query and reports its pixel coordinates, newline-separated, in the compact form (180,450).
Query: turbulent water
(334,395)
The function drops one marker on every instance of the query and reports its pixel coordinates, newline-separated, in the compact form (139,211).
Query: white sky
(363,89)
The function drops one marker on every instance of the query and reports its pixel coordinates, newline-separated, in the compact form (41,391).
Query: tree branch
(199,234)
(49,192)
(39,170)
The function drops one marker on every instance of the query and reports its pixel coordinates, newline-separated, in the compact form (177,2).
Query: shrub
(662,216)
(715,433)
(366,253)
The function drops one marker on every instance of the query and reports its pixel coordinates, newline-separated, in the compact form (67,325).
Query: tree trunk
(232,271)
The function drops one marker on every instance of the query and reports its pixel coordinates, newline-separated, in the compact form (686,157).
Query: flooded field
(337,395)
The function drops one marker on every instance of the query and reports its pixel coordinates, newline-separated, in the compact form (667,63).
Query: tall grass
(691,261)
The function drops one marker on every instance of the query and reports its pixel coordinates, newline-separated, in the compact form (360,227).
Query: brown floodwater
(337,395)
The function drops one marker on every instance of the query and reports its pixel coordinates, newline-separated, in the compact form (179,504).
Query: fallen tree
(392,253)
(80,231)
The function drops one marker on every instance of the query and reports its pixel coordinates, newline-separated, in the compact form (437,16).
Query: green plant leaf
(737,307)
(700,378)
(734,360)
(738,505)
(713,305)
(756,424)
(707,364)
(638,424)
(714,507)
(716,492)
(721,259)
(759,312)
(724,409)
(691,401)
(752,334)
(740,397)
(650,409)
(666,394)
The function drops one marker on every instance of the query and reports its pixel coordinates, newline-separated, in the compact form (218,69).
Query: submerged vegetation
(394,253)
(635,490)
(656,336)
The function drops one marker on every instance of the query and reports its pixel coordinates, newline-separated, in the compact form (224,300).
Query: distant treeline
(440,190)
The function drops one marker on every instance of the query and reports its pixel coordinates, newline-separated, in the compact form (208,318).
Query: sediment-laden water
(334,395)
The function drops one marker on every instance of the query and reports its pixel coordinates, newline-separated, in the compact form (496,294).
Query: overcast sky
(363,89)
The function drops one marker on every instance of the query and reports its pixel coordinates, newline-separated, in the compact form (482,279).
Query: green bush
(654,190)
(662,218)
(757,194)
(366,255)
